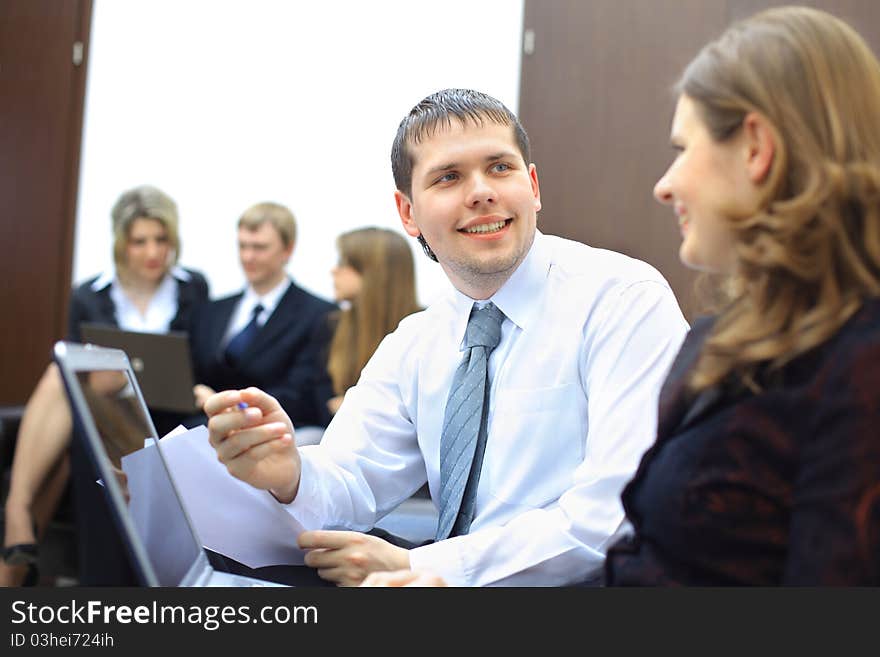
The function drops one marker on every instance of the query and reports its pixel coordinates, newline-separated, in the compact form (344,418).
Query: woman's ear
(761,146)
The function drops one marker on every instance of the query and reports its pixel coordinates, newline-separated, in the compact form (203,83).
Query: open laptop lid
(110,412)
(161,362)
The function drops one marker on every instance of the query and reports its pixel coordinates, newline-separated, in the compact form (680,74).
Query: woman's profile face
(706,184)
(147,250)
(347,281)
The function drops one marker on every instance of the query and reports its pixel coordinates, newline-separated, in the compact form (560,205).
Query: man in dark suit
(273,335)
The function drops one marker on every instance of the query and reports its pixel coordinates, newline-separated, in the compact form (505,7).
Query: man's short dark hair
(438,109)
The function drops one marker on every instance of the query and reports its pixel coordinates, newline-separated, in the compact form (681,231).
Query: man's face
(475,201)
(263,256)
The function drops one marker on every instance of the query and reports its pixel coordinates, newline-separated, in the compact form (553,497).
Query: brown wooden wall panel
(42,93)
(863,15)
(596,100)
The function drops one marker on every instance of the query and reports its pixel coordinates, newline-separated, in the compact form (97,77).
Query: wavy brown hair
(384,260)
(810,256)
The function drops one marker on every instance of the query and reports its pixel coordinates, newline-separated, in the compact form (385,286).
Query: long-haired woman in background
(374,281)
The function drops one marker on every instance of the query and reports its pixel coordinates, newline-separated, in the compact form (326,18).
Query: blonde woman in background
(146,291)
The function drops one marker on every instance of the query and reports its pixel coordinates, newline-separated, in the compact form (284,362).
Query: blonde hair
(276,214)
(143,202)
(384,260)
(811,255)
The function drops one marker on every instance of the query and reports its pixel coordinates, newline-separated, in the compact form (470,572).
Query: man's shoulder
(415,336)
(215,311)
(229,299)
(415,328)
(578,258)
(598,267)
(297,296)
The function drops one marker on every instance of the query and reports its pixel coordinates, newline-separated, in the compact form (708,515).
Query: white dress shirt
(587,341)
(161,310)
(245,308)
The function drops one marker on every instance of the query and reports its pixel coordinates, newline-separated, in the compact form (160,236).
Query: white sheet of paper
(230,516)
(150,504)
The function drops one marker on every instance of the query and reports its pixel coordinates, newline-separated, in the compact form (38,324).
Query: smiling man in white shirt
(586,341)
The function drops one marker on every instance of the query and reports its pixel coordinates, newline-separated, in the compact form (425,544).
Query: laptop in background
(161,362)
(112,418)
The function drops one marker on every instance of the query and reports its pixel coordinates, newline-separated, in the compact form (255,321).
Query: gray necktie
(463,440)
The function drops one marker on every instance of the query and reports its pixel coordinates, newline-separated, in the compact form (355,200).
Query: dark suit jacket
(96,306)
(779,487)
(286,359)
(103,559)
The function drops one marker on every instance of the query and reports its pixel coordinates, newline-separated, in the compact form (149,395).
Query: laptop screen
(121,434)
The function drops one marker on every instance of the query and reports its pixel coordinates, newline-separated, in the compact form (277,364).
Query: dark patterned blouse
(776,488)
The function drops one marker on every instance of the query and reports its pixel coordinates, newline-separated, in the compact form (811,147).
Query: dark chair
(58,548)
(10,419)
(414,521)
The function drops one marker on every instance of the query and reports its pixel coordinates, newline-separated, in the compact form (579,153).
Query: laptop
(112,418)
(161,362)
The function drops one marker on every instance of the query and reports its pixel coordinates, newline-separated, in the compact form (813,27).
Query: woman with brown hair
(374,281)
(766,468)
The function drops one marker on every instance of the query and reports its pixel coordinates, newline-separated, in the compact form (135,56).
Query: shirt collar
(103,280)
(181,274)
(109,276)
(268,300)
(516,298)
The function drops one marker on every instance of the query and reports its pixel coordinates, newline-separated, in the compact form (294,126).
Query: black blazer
(103,559)
(286,359)
(768,488)
(96,306)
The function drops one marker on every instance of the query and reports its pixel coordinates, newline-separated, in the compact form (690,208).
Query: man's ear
(405,210)
(536,187)
(760,146)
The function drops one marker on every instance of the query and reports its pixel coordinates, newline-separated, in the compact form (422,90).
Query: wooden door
(43,50)
(596,100)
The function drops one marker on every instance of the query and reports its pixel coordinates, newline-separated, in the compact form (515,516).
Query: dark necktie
(239,343)
(463,440)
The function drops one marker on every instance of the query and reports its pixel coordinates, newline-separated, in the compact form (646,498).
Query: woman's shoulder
(834,390)
(191,279)
(855,347)
(187,275)
(863,328)
(92,287)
